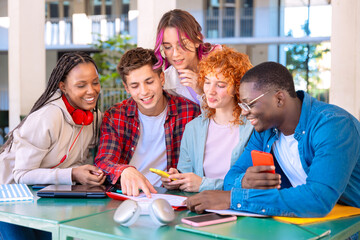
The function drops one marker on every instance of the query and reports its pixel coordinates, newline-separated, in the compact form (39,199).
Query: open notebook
(174,200)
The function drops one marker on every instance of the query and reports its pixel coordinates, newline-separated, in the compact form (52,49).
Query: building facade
(255,27)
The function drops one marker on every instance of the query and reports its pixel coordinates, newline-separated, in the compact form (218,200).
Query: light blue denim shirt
(329,148)
(192,150)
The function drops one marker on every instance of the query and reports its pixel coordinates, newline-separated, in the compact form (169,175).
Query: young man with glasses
(315,145)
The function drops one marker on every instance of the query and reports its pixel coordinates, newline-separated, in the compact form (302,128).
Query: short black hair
(271,75)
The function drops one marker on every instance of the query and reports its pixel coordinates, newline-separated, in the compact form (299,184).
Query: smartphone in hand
(208,219)
(260,158)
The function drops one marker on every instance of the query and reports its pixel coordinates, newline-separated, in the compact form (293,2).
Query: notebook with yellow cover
(339,211)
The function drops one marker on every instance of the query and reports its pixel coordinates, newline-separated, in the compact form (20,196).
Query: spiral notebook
(15,192)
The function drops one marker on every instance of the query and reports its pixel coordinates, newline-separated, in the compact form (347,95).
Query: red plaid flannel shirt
(120,131)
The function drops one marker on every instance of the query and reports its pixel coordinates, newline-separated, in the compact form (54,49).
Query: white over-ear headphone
(159,210)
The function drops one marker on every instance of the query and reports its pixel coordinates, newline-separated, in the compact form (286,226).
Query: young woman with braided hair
(51,145)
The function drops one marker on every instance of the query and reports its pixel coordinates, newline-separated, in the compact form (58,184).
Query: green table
(93,219)
(341,228)
(102,226)
(48,213)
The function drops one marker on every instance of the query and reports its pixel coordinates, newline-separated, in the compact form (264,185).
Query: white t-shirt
(220,141)
(287,154)
(150,151)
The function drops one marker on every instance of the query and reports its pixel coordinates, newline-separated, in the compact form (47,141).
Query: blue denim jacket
(329,148)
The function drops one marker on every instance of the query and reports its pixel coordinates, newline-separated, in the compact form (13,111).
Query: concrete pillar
(221,18)
(90,8)
(48,10)
(237,17)
(78,6)
(149,15)
(196,9)
(3,8)
(26,56)
(345,55)
(61,9)
(133,20)
(117,7)
(103,7)
(265,25)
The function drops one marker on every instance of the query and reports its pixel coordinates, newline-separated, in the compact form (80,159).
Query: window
(227,20)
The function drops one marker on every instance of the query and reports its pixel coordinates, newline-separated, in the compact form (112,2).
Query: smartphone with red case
(208,219)
(260,158)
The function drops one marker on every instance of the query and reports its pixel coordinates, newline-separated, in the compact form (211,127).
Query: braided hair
(64,65)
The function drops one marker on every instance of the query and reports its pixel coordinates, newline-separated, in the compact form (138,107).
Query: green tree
(108,56)
(302,62)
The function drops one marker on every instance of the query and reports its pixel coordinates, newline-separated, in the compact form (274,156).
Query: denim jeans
(354,237)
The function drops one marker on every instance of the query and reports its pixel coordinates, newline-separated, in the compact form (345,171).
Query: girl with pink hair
(179,48)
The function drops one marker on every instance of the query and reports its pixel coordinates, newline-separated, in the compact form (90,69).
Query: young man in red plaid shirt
(145,130)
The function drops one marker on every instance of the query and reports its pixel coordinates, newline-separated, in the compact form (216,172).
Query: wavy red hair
(233,65)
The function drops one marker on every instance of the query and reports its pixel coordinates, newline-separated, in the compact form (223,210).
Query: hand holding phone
(262,158)
(208,219)
(161,173)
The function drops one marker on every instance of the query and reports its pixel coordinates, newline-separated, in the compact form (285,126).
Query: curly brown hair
(134,59)
(233,65)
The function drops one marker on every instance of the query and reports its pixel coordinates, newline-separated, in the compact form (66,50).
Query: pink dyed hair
(185,24)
